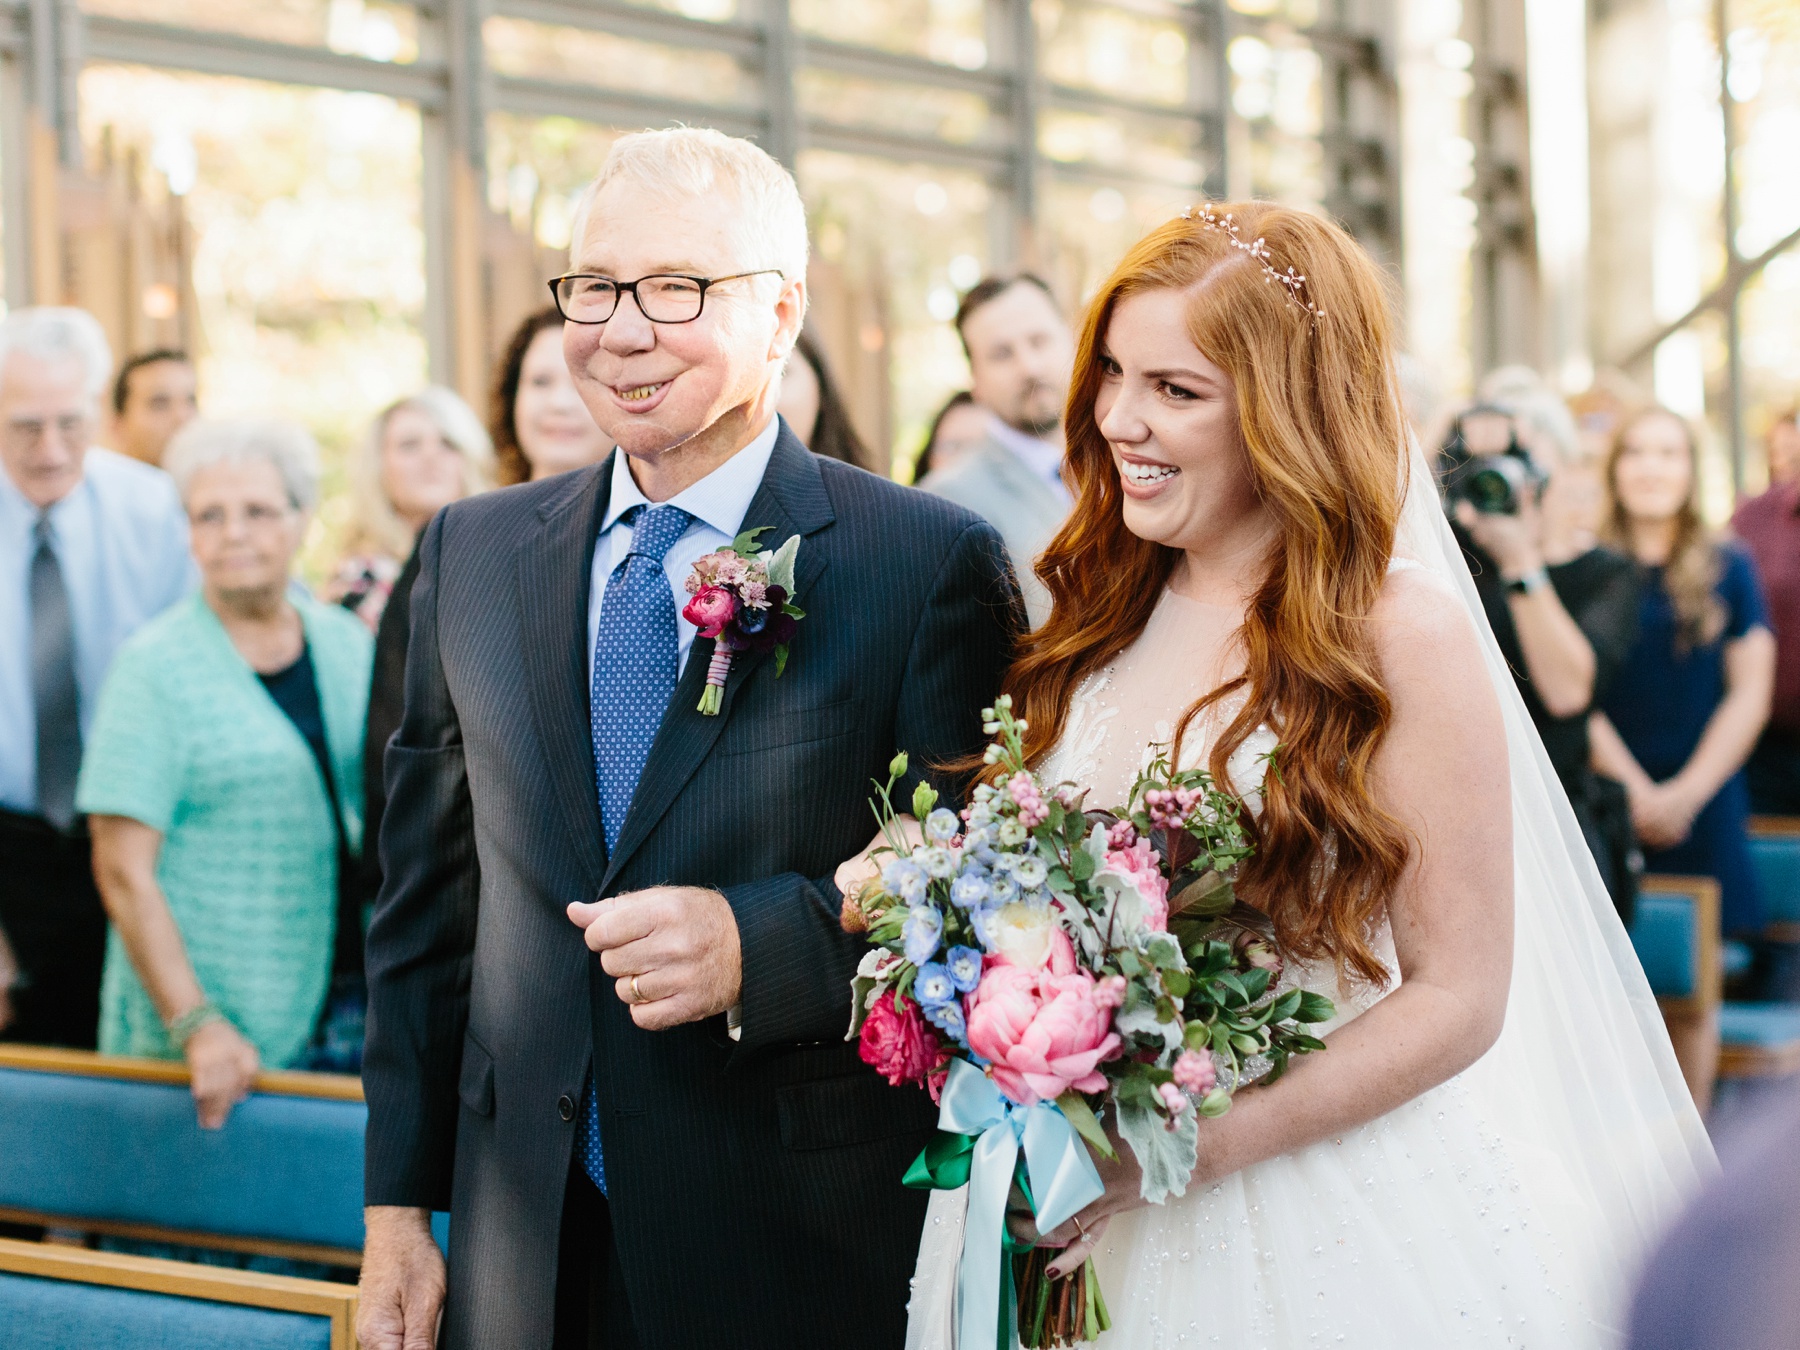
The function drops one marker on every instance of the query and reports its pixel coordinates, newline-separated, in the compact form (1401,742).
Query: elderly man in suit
(1020,354)
(608,987)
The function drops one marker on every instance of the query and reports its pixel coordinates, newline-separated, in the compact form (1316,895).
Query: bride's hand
(1079,1237)
(851,874)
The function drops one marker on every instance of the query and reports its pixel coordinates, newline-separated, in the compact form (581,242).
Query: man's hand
(851,874)
(224,1067)
(673,951)
(401,1291)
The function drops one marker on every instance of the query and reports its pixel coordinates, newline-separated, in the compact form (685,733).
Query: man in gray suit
(1020,353)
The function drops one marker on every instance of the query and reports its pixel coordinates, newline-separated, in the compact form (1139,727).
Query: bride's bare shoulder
(1423,631)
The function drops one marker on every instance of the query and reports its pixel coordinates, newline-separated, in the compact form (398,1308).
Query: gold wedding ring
(637,995)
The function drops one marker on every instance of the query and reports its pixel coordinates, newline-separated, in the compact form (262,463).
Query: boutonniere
(744,601)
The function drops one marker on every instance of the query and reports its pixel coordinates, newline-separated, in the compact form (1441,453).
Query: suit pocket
(753,732)
(475,1085)
(851,1109)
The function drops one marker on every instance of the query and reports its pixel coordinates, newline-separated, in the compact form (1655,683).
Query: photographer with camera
(1563,609)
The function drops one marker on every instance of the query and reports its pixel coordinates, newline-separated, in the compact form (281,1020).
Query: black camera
(1483,464)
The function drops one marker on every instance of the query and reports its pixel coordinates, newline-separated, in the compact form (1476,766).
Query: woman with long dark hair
(1257,575)
(538,422)
(815,411)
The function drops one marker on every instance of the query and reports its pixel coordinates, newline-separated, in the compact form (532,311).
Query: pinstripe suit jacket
(754,1185)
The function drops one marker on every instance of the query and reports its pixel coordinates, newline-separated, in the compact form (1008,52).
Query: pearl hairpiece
(1293,283)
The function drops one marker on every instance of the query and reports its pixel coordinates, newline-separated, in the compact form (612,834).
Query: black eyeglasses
(664,298)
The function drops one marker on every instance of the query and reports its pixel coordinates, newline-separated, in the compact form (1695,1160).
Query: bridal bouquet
(1042,968)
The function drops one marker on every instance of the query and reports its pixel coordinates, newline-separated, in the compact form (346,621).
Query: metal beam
(603,107)
(1738,273)
(781,102)
(742,40)
(213,53)
(853,140)
(871,63)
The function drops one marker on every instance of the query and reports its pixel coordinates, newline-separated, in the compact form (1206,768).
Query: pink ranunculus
(1045,1031)
(710,610)
(900,1046)
(1139,863)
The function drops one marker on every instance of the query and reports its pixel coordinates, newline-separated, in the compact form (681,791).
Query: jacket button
(565,1106)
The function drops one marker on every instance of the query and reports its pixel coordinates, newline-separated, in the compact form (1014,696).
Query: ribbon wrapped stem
(712,698)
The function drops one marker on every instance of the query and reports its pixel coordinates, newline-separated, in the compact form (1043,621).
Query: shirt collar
(15,503)
(720,500)
(1044,458)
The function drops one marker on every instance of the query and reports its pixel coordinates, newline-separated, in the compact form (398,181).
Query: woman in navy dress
(1685,711)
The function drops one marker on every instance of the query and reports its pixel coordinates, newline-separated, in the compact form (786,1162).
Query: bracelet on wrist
(1528,582)
(182,1029)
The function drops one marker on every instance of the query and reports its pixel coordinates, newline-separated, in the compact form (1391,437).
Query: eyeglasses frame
(622,287)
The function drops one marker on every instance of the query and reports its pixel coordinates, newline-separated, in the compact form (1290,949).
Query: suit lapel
(791,500)
(554,565)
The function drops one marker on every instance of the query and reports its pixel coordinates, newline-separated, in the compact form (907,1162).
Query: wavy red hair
(1320,414)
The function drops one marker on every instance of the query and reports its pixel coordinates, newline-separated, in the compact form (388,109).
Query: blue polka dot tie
(634,678)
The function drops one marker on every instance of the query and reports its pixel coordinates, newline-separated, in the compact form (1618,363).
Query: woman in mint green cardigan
(223,780)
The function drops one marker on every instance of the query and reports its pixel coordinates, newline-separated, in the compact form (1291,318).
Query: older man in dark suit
(657,1136)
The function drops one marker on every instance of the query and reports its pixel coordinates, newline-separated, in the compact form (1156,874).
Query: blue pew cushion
(1667,943)
(43,1314)
(1766,1026)
(288,1168)
(1777,862)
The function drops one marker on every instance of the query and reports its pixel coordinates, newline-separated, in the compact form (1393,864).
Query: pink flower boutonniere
(744,601)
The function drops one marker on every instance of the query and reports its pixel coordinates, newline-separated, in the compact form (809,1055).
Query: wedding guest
(1565,614)
(153,397)
(815,410)
(1769,526)
(538,422)
(1020,351)
(420,454)
(223,781)
(455,426)
(92,544)
(959,427)
(1688,704)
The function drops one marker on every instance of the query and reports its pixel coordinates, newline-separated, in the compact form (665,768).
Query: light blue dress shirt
(718,504)
(121,538)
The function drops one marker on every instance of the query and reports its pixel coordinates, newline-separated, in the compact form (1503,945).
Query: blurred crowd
(191,738)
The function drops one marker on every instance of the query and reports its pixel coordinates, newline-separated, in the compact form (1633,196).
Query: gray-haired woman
(223,780)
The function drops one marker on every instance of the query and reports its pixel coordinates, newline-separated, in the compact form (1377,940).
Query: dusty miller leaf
(1166,1156)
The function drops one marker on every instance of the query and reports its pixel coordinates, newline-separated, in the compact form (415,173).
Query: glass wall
(395,184)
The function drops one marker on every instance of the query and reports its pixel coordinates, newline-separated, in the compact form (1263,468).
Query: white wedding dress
(1507,1207)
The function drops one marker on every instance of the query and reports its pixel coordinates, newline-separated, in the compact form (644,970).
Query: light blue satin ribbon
(1062,1177)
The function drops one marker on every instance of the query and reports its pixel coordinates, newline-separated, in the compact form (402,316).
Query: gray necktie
(53,693)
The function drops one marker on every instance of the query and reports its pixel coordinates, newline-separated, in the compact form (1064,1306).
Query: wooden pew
(69,1298)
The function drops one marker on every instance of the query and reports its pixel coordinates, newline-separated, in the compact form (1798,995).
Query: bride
(1256,559)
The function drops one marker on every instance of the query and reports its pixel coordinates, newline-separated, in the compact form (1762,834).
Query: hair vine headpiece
(1292,283)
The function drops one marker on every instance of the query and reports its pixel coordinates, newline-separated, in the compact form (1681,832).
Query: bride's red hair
(1321,422)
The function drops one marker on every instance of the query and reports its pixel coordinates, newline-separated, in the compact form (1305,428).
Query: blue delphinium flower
(941,826)
(964,967)
(923,931)
(935,984)
(948,1018)
(1003,891)
(969,890)
(979,918)
(906,879)
(1029,872)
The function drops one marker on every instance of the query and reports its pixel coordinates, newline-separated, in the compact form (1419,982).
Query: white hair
(376,524)
(697,161)
(56,333)
(290,448)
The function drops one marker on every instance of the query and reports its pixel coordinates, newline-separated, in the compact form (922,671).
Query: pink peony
(1045,1031)
(1195,1073)
(899,1046)
(1139,863)
(710,610)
